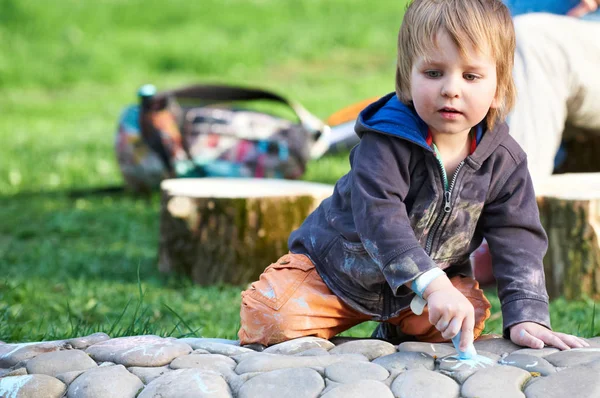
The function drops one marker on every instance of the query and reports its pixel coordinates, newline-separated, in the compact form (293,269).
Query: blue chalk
(469,353)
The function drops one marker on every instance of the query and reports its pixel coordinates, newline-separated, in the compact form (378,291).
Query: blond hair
(482,24)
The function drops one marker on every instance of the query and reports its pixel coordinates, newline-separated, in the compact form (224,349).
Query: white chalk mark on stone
(10,386)
(478,361)
(202,385)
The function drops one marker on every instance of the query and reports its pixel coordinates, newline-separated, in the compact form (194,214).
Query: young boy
(435,172)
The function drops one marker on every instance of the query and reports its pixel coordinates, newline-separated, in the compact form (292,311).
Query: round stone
(306,383)
(351,371)
(370,348)
(461,370)
(499,346)
(201,340)
(187,383)
(360,389)
(594,342)
(435,350)
(313,352)
(57,362)
(537,352)
(110,381)
(81,343)
(146,375)
(529,363)
(216,347)
(401,361)
(301,344)
(18,371)
(31,386)
(268,362)
(496,382)
(421,383)
(212,362)
(577,382)
(68,377)
(139,350)
(12,354)
(574,357)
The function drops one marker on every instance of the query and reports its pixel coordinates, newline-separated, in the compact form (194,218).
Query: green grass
(71,266)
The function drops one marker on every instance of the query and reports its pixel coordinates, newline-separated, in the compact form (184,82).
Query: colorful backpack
(201,131)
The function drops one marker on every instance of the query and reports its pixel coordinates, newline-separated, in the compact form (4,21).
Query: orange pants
(290,300)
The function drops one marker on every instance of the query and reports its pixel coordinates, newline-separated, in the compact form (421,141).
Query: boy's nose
(450,88)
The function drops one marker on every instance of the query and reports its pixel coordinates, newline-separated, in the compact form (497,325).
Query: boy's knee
(259,323)
(269,312)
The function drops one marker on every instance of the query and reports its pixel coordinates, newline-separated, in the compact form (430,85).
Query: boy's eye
(433,73)
(470,76)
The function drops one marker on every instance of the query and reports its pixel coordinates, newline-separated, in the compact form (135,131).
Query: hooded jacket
(391,219)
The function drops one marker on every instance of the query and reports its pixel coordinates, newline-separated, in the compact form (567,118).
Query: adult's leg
(290,300)
(557,79)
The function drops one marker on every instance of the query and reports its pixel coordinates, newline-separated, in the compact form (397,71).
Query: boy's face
(452,93)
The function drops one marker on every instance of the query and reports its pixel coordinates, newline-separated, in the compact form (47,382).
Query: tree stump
(570,212)
(228,230)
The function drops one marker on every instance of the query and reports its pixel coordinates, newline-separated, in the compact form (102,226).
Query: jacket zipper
(447,198)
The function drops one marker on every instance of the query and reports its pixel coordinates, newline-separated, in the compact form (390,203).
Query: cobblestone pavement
(150,366)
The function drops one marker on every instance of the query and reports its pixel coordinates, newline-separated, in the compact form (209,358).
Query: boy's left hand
(534,335)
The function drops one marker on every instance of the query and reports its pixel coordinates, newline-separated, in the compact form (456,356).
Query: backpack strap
(150,135)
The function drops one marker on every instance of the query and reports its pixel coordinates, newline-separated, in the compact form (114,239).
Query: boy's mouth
(449,110)
(449,113)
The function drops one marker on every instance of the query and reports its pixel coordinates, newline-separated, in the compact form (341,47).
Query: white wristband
(417,305)
(420,283)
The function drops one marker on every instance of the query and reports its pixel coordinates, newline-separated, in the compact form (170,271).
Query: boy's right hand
(450,311)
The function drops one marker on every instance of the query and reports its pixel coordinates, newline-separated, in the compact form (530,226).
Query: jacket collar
(391,117)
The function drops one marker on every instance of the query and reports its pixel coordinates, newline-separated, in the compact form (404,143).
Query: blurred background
(77,264)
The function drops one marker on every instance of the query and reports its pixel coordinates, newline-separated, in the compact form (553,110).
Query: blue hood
(390,116)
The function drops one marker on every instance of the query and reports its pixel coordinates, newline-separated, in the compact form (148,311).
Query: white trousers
(557,74)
